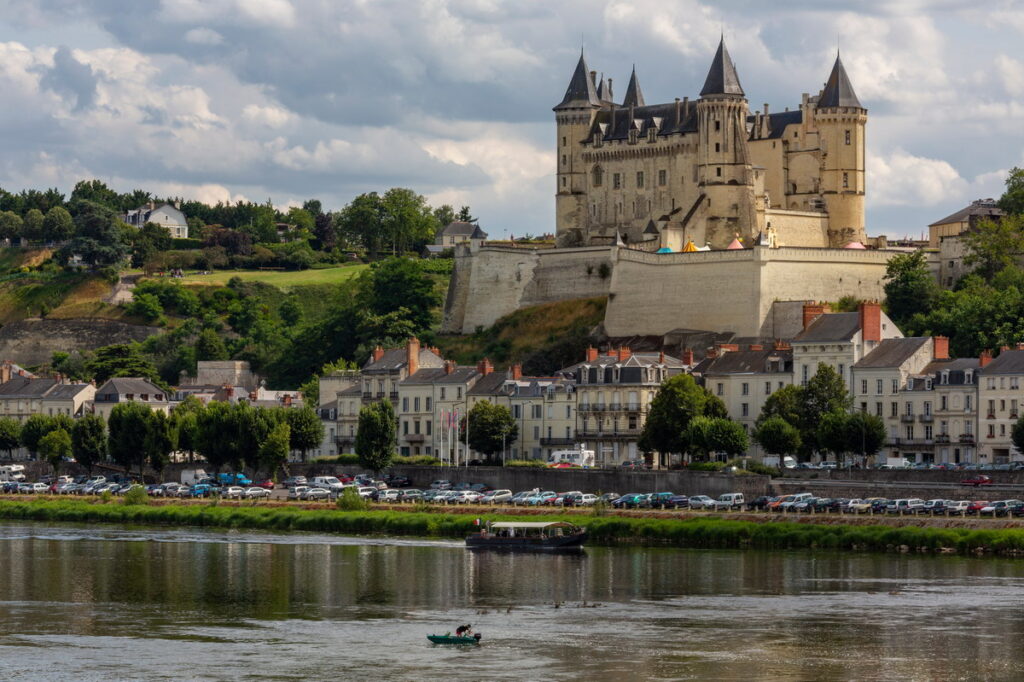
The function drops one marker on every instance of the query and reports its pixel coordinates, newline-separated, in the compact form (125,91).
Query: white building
(165,215)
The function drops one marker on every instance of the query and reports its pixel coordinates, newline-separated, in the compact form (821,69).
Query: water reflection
(282,606)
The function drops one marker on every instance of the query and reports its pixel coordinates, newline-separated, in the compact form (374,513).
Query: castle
(691,215)
(708,171)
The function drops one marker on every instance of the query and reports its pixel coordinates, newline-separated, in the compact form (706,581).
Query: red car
(977,480)
(346,478)
(976,506)
(268,484)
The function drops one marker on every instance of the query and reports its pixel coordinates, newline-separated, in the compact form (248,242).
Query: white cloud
(267,12)
(271,116)
(203,36)
(902,179)
(1011,72)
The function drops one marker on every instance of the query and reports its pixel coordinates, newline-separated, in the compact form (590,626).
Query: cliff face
(33,341)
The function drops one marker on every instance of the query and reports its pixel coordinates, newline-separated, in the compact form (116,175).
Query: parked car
(559,500)
(315,494)
(586,500)
(296,492)
(857,506)
(976,481)
(760,503)
(678,502)
(396,481)
(257,493)
(607,498)
(441,484)
(293,481)
(497,497)
(701,502)
(976,506)
(626,500)
(365,491)
(729,501)
(905,506)
(410,495)
(266,484)
(660,500)
(956,506)
(233,492)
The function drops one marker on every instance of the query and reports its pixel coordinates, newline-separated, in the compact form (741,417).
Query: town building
(459,232)
(613,395)
(963,220)
(165,215)
(129,389)
(431,403)
(999,402)
(23,396)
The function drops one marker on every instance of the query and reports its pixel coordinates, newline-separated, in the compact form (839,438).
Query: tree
(833,434)
(145,306)
(777,436)
(32,227)
(58,225)
(784,403)
(89,440)
(306,429)
(160,440)
(909,287)
(120,360)
(866,433)
(10,435)
(100,235)
(825,393)
(129,436)
(55,448)
(697,437)
(491,428)
(993,245)
(361,222)
(1017,433)
(10,225)
(217,436)
(678,401)
(33,430)
(274,451)
(1012,200)
(401,283)
(408,221)
(726,436)
(375,435)
(465,215)
(210,346)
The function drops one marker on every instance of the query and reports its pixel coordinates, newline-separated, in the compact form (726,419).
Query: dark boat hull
(452,639)
(564,543)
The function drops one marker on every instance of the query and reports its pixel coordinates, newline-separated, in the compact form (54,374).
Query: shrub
(705,466)
(135,496)
(534,463)
(347,458)
(416,460)
(350,500)
(604,271)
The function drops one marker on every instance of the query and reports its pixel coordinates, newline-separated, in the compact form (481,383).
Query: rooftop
(830,327)
(750,362)
(1008,362)
(891,353)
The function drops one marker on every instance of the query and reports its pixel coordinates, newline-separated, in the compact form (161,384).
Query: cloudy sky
(292,99)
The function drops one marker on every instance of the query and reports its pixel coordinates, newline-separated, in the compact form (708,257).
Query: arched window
(597,176)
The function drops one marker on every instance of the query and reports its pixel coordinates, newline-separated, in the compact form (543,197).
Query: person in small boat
(464,631)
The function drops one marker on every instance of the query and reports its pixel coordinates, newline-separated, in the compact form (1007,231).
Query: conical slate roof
(634,97)
(838,90)
(722,78)
(581,89)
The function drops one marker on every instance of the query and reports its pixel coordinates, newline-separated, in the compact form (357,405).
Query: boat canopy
(532,524)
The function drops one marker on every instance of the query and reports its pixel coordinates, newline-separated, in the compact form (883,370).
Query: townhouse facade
(22,397)
(129,389)
(999,402)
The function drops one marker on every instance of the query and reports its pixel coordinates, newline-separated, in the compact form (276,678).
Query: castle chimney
(984,358)
(661,358)
(686,108)
(412,355)
(1003,347)
(177,204)
(449,366)
(725,347)
(612,353)
(517,371)
(591,354)
(688,357)
(252,396)
(781,345)
(712,353)
(812,311)
(870,321)
(678,106)
(378,353)
(593,77)
(624,353)
(230,391)
(1020,345)
(940,347)
(151,206)
(766,109)
(611,98)
(484,367)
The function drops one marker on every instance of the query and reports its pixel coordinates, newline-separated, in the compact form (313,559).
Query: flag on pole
(476,522)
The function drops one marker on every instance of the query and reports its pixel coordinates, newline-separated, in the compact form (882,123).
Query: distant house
(129,389)
(23,396)
(166,215)
(457,232)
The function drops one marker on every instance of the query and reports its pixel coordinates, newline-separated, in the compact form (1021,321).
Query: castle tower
(841,120)
(724,172)
(573,116)
(634,97)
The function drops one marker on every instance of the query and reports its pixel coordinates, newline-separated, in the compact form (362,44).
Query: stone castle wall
(751,292)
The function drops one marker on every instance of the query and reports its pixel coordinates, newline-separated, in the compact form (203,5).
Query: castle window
(662,178)
(563,182)
(718,148)
(633,134)
(640,179)
(718,172)
(847,137)
(563,141)
(564,159)
(718,125)
(616,181)
(597,176)
(846,180)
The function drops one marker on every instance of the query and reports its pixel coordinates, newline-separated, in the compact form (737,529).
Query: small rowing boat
(454,639)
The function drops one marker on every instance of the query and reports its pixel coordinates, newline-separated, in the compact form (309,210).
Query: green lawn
(282,279)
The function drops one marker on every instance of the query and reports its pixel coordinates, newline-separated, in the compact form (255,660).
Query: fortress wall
(656,293)
(494,281)
(799,227)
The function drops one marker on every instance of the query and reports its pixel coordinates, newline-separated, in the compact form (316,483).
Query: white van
(12,472)
(729,501)
(332,483)
(193,476)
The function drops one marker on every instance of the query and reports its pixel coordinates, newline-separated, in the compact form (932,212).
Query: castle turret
(573,115)
(724,172)
(841,120)
(634,97)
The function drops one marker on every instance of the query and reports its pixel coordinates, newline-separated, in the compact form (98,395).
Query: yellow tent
(690,247)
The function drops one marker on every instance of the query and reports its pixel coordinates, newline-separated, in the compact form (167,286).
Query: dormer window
(969,376)
(633,135)
(944,377)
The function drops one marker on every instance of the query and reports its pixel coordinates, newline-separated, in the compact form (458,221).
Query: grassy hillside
(542,337)
(283,279)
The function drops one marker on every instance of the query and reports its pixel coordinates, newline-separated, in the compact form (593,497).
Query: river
(102,603)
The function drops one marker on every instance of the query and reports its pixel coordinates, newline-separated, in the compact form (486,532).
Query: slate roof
(65,391)
(1008,362)
(634,96)
(838,90)
(892,352)
(751,362)
(615,124)
(394,358)
(23,387)
(126,385)
(830,327)
(354,391)
(580,92)
(491,384)
(722,78)
(953,365)
(462,229)
(981,208)
(777,122)
(437,375)
(635,360)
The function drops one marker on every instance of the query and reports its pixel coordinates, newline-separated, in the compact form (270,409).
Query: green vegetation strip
(710,533)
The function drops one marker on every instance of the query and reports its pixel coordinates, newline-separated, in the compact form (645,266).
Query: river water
(102,603)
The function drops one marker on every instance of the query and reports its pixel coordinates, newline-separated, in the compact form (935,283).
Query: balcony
(907,418)
(621,434)
(558,442)
(914,442)
(414,437)
(926,418)
(942,438)
(991,415)
(367,395)
(614,407)
(967,438)
(344,440)
(393,397)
